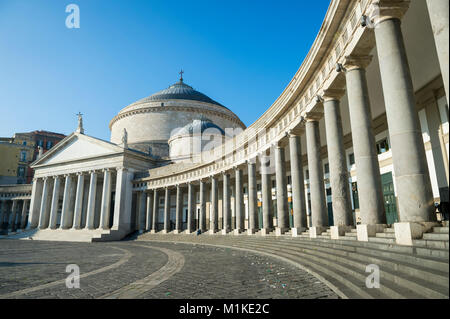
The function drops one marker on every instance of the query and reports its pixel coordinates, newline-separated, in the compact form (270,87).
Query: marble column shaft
(55,202)
(91,201)
(319,213)
(414,194)
(202,222)
(266,190)
(339,181)
(191,208)
(66,214)
(239,200)
(24,214)
(105,210)
(214,218)
(439,18)
(149,212)
(155,209)
(282,198)
(43,219)
(142,201)
(226,203)
(78,210)
(13,224)
(298,184)
(370,194)
(252,198)
(167,210)
(179,209)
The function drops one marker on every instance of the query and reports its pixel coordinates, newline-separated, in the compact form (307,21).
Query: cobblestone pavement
(33,269)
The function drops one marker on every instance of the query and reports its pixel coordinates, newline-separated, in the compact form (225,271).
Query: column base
(316,231)
(265,232)
(152,231)
(251,231)
(238,231)
(165,231)
(225,231)
(177,231)
(363,232)
(339,231)
(280,231)
(406,232)
(296,231)
(213,231)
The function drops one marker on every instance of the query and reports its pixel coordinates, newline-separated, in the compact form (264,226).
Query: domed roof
(198,126)
(179,91)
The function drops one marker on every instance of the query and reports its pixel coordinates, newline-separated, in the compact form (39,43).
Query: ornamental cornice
(233,118)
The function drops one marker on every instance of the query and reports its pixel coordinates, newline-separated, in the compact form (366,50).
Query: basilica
(355,148)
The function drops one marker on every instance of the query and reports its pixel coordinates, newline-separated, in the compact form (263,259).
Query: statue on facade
(125,138)
(80,128)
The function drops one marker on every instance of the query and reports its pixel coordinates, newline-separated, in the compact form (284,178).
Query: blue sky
(240,53)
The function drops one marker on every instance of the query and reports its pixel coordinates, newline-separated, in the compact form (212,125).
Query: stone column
(43,219)
(55,202)
(166,211)
(298,185)
(239,202)
(35,204)
(319,213)
(438,10)
(178,210)
(4,218)
(2,212)
(24,213)
(149,213)
(123,200)
(414,194)
(91,201)
(66,213)
(191,209)
(252,198)
(282,198)
(13,223)
(105,211)
(78,210)
(155,210)
(226,204)
(370,194)
(340,190)
(142,200)
(266,190)
(213,228)
(202,222)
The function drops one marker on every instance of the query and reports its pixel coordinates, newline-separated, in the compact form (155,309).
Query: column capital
(296,132)
(382,10)
(354,62)
(333,94)
(313,116)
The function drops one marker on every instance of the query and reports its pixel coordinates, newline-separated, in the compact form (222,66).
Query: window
(328,190)
(40,143)
(258,187)
(289,180)
(351,158)
(21,171)
(327,168)
(24,143)
(245,190)
(383,146)
(307,174)
(49,144)
(274,184)
(23,156)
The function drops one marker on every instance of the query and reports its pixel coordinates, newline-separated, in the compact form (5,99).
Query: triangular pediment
(78,147)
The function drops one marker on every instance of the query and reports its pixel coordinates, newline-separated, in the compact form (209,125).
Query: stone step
(445,223)
(394,287)
(385,235)
(382,240)
(386,261)
(389,230)
(432,244)
(351,235)
(353,230)
(435,236)
(440,230)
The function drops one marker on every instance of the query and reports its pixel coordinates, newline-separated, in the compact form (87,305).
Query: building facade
(358,139)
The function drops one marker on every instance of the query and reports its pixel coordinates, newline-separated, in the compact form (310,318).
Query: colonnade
(414,193)
(85,202)
(13,214)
